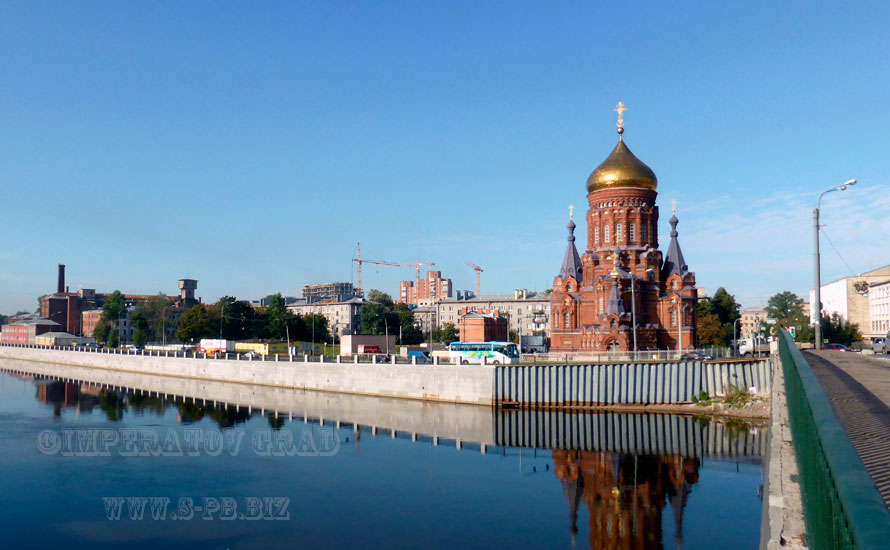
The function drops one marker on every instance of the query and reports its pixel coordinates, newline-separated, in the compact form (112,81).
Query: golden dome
(621,169)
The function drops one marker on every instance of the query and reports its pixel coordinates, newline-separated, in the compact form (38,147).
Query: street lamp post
(735,339)
(633,306)
(816,263)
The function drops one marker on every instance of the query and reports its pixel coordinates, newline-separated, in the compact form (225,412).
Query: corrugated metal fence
(662,434)
(629,383)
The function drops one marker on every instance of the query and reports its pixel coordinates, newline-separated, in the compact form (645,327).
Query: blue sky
(251,145)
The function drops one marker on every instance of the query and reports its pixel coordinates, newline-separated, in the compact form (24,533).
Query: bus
(495,353)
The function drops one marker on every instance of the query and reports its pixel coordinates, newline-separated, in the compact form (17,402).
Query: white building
(850,298)
(879,310)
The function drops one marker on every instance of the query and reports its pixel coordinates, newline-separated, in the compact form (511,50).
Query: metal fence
(628,383)
(842,506)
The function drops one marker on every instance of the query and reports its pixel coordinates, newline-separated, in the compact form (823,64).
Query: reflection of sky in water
(376,492)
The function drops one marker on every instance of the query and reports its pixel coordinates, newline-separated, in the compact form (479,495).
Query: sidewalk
(858,388)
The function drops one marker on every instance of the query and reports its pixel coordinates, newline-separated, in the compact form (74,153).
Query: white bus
(495,353)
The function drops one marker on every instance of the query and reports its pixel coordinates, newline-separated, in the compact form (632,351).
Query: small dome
(621,169)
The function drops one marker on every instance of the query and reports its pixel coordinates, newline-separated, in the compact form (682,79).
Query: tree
(317,323)
(141,332)
(195,324)
(784,307)
(448,333)
(838,330)
(114,307)
(378,315)
(725,311)
(409,333)
(710,331)
(101,332)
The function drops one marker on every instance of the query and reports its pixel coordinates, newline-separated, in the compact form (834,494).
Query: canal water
(90,465)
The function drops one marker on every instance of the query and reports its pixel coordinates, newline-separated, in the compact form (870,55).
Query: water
(619,481)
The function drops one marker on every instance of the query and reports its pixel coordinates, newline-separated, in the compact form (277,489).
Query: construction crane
(478,271)
(417,267)
(359,261)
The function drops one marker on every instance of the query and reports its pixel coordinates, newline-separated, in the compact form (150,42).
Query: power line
(852,272)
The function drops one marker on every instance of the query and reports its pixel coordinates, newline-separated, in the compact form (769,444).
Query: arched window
(606,233)
(631,232)
(644,233)
(601,305)
(568,320)
(673,317)
(596,235)
(618,233)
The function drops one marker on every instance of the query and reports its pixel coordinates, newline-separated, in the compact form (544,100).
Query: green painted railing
(842,506)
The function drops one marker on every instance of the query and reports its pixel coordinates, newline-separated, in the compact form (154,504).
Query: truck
(751,346)
(213,347)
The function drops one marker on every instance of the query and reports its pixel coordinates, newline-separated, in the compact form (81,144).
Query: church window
(601,305)
(631,232)
(618,233)
(568,321)
(643,236)
(606,233)
(596,235)
(673,317)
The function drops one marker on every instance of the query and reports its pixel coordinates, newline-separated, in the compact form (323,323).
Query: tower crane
(359,261)
(478,271)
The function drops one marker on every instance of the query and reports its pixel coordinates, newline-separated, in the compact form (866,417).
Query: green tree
(409,333)
(448,333)
(101,331)
(114,307)
(784,307)
(838,330)
(710,332)
(314,327)
(141,331)
(725,310)
(378,314)
(197,323)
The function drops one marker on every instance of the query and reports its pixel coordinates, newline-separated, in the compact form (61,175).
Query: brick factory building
(591,304)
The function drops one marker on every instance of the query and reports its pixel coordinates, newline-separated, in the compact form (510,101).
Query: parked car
(836,347)
(696,356)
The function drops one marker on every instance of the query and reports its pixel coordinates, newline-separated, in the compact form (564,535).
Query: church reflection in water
(625,495)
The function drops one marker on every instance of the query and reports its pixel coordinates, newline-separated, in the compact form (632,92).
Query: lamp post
(816,264)
(735,339)
(633,306)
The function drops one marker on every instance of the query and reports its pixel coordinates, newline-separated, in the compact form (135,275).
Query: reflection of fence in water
(660,434)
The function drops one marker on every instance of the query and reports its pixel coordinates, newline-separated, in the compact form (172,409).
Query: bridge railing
(842,506)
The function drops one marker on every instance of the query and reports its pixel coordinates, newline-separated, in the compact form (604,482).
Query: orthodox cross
(571,212)
(673,207)
(620,110)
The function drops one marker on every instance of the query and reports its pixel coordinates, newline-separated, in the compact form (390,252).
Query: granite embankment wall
(471,384)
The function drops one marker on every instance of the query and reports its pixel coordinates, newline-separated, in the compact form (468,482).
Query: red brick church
(622,272)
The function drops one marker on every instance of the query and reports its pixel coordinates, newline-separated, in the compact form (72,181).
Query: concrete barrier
(470,384)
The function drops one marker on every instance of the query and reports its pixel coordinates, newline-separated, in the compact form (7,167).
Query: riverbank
(651,387)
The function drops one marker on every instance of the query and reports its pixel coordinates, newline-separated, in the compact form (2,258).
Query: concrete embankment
(470,384)
(638,386)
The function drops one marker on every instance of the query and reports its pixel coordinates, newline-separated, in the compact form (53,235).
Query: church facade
(621,295)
